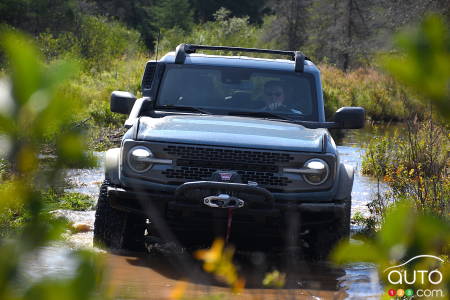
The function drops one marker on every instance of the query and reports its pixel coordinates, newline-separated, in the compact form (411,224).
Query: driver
(273,95)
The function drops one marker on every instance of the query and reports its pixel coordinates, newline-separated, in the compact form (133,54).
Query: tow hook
(223,201)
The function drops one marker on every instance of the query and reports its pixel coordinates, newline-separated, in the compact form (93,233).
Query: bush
(414,167)
(96,43)
(102,40)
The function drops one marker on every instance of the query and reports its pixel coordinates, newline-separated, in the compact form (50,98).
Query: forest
(346,34)
(111,40)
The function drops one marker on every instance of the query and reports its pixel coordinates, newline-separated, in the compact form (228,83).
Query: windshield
(232,90)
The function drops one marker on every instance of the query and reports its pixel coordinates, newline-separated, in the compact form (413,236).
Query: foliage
(93,94)
(30,113)
(274,279)
(4,168)
(174,13)
(416,171)
(218,260)
(404,234)
(13,213)
(96,43)
(382,98)
(414,167)
(285,26)
(367,224)
(74,201)
(204,9)
(39,15)
(225,31)
(424,65)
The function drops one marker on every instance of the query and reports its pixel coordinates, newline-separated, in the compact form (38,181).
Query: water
(356,281)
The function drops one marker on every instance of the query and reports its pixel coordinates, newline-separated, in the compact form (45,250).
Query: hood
(231,131)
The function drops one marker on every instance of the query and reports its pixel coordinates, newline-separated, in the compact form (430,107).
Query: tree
(288,25)
(173,13)
(205,9)
(39,15)
(137,14)
(341,31)
(348,33)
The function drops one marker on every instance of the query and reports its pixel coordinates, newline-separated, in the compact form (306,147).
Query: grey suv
(229,146)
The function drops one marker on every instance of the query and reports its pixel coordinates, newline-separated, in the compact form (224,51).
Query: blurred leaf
(32,117)
(425,235)
(218,260)
(357,251)
(397,230)
(24,65)
(274,279)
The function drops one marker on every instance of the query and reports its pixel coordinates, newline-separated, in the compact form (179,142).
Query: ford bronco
(230,146)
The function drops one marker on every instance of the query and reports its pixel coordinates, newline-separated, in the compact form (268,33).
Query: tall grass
(382,97)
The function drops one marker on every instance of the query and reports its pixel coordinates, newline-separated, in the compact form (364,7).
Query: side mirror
(350,117)
(122,102)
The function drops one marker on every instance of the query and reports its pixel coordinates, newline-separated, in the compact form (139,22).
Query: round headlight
(319,171)
(138,159)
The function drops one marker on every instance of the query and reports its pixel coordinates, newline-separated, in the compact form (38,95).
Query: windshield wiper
(307,124)
(184,108)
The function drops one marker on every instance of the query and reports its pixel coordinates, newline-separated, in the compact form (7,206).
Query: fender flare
(112,159)
(345,184)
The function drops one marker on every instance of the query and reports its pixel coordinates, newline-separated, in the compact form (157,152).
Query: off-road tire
(115,229)
(324,238)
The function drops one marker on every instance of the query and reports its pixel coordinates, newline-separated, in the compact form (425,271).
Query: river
(141,276)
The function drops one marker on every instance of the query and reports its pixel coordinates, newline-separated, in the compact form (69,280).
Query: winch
(223,201)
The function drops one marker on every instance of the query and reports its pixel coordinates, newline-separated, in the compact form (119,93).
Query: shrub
(414,167)
(96,43)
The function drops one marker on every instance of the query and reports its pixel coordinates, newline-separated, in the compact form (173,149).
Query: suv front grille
(199,163)
(229,155)
(195,173)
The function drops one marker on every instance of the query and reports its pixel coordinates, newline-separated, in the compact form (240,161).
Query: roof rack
(183,49)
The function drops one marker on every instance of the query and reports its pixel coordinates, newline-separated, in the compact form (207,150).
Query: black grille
(197,173)
(199,163)
(228,155)
(225,165)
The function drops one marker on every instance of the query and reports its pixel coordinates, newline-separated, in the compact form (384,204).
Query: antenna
(157,43)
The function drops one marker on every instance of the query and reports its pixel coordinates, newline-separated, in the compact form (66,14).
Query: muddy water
(148,277)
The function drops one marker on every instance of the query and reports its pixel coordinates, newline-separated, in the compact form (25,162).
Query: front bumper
(185,210)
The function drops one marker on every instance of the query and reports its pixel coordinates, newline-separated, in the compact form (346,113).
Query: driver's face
(274,95)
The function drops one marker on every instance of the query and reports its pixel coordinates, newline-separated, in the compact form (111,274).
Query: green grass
(71,200)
